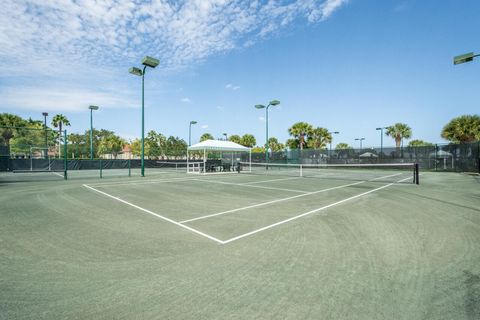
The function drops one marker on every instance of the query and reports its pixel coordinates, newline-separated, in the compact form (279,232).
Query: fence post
(129,168)
(101,167)
(478,156)
(65,161)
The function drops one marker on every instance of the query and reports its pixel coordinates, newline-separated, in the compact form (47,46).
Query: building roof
(218,145)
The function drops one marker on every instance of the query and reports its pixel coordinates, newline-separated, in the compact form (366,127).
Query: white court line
(249,186)
(58,174)
(310,212)
(282,199)
(273,180)
(267,203)
(155,214)
(135,182)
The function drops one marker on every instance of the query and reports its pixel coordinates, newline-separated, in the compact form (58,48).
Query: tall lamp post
(91,129)
(381,140)
(333,132)
(261,106)
(190,132)
(467,57)
(152,63)
(226,136)
(45,115)
(360,139)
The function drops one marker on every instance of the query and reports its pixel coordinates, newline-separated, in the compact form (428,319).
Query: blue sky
(347,65)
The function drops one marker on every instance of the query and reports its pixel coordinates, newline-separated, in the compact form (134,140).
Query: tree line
(303,135)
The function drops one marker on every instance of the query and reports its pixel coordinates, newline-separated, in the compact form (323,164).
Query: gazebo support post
(204,160)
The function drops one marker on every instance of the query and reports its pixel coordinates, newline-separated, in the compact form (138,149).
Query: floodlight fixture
(261,106)
(467,57)
(381,140)
(91,107)
(45,114)
(150,62)
(190,132)
(332,132)
(360,139)
(136,71)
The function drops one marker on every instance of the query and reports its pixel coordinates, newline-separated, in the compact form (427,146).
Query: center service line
(310,212)
(156,215)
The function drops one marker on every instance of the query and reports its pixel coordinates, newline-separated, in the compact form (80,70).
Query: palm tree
(206,136)
(248,140)
(274,145)
(300,130)
(59,121)
(235,138)
(398,132)
(343,150)
(465,128)
(319,137)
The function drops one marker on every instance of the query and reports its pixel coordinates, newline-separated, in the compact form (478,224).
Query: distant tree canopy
(465,128)
(248,140)
(235,138)
(274,145)
(206,136)
(419,143)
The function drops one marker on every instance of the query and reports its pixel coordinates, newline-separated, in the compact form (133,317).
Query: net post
(416,174)
(101,175)
(65,161)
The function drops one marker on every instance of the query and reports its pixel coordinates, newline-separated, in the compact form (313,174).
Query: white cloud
(64,98)
(205,126)
(220,108)
(261,119)
(185,100)
(232,87)
(179,33)
(84,42)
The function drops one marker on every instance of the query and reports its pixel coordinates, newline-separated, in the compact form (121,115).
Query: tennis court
(366,244)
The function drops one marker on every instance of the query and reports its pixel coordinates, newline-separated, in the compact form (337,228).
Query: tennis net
(178,166)
(389,172)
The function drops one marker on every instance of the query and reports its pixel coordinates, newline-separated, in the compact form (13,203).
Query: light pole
(190,132)
(152,63)
(226,136)
(360,139)
(261,106)
(91,129)
(467,57)
(381,140)
(45,114)
(334,132)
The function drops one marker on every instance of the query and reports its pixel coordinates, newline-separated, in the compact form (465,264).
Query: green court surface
(239,246)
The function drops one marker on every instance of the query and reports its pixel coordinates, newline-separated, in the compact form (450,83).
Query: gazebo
(215,146)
